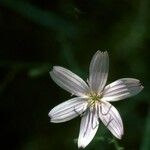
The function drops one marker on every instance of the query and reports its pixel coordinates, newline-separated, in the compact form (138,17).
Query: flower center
(94,98)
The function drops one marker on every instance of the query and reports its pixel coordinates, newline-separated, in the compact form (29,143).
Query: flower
(93,97)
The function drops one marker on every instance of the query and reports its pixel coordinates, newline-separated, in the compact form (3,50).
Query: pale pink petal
(69,81)
(88,128)
(68,110)
(111,119)
(121,89)
(98,71)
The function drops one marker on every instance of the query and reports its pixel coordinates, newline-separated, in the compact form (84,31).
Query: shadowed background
(36,35)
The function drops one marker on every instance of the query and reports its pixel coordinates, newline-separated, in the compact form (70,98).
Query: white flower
(92,101)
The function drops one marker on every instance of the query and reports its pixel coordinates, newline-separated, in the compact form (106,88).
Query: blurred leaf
(44,18)
(135,28)
(8,79)
(35,72)
(22,65)
(116,144)
(146,138)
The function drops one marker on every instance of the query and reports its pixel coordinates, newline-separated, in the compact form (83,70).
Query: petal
(121,89)
(69,81)
(68,110)
(111,119)
(99,67)
(88,128)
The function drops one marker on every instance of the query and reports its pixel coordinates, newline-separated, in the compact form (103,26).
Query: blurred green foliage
(36,35)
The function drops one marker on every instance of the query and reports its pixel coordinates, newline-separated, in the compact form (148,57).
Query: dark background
(38,34)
